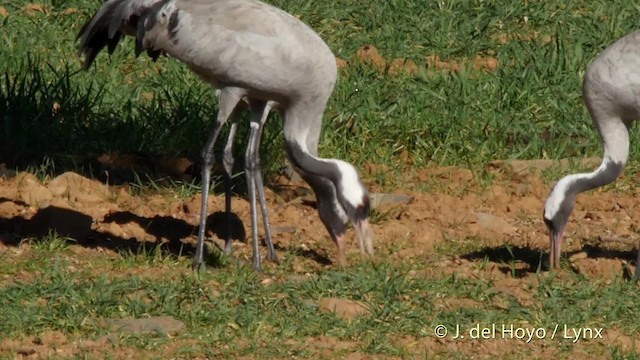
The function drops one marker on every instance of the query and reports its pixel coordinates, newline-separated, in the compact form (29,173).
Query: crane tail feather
(114,20)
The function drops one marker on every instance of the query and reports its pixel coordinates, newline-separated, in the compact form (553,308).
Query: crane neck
(606,173)
(310,164)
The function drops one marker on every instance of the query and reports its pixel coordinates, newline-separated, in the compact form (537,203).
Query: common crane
(273,56)
(610,90)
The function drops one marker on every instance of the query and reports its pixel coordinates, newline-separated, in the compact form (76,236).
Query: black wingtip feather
(93,45)
(88,59)
(83,29)
(113,42)
(94,34)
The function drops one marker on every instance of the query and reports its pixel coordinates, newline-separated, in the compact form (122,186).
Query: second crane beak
(364,236)
(554,254)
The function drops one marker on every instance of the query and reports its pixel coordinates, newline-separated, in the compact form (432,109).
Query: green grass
(234,307)
(530,108)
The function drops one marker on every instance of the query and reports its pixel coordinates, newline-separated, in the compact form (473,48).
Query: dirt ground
(457,214)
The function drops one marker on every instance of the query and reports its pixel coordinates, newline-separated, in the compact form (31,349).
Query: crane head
(353,197)
(557,209)
(340,201)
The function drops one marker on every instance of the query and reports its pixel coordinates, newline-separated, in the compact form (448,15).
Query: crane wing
(114,19)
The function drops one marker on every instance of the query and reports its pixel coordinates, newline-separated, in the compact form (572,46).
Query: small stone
(378,199)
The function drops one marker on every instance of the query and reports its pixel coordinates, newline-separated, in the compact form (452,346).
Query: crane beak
(554,254)
(364,236)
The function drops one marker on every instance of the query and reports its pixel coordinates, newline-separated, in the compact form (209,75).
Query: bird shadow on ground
(310,254)
(169,232)
(217,224)
(76,227)
(505,256)
(598,252)
(537,260)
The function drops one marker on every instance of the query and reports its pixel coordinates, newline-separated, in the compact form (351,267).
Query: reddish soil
(457,215)
(369,55)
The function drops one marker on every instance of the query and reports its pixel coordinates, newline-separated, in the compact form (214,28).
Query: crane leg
(228,101)
(208,159)
(228,162)
(250,167)
(271,252)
